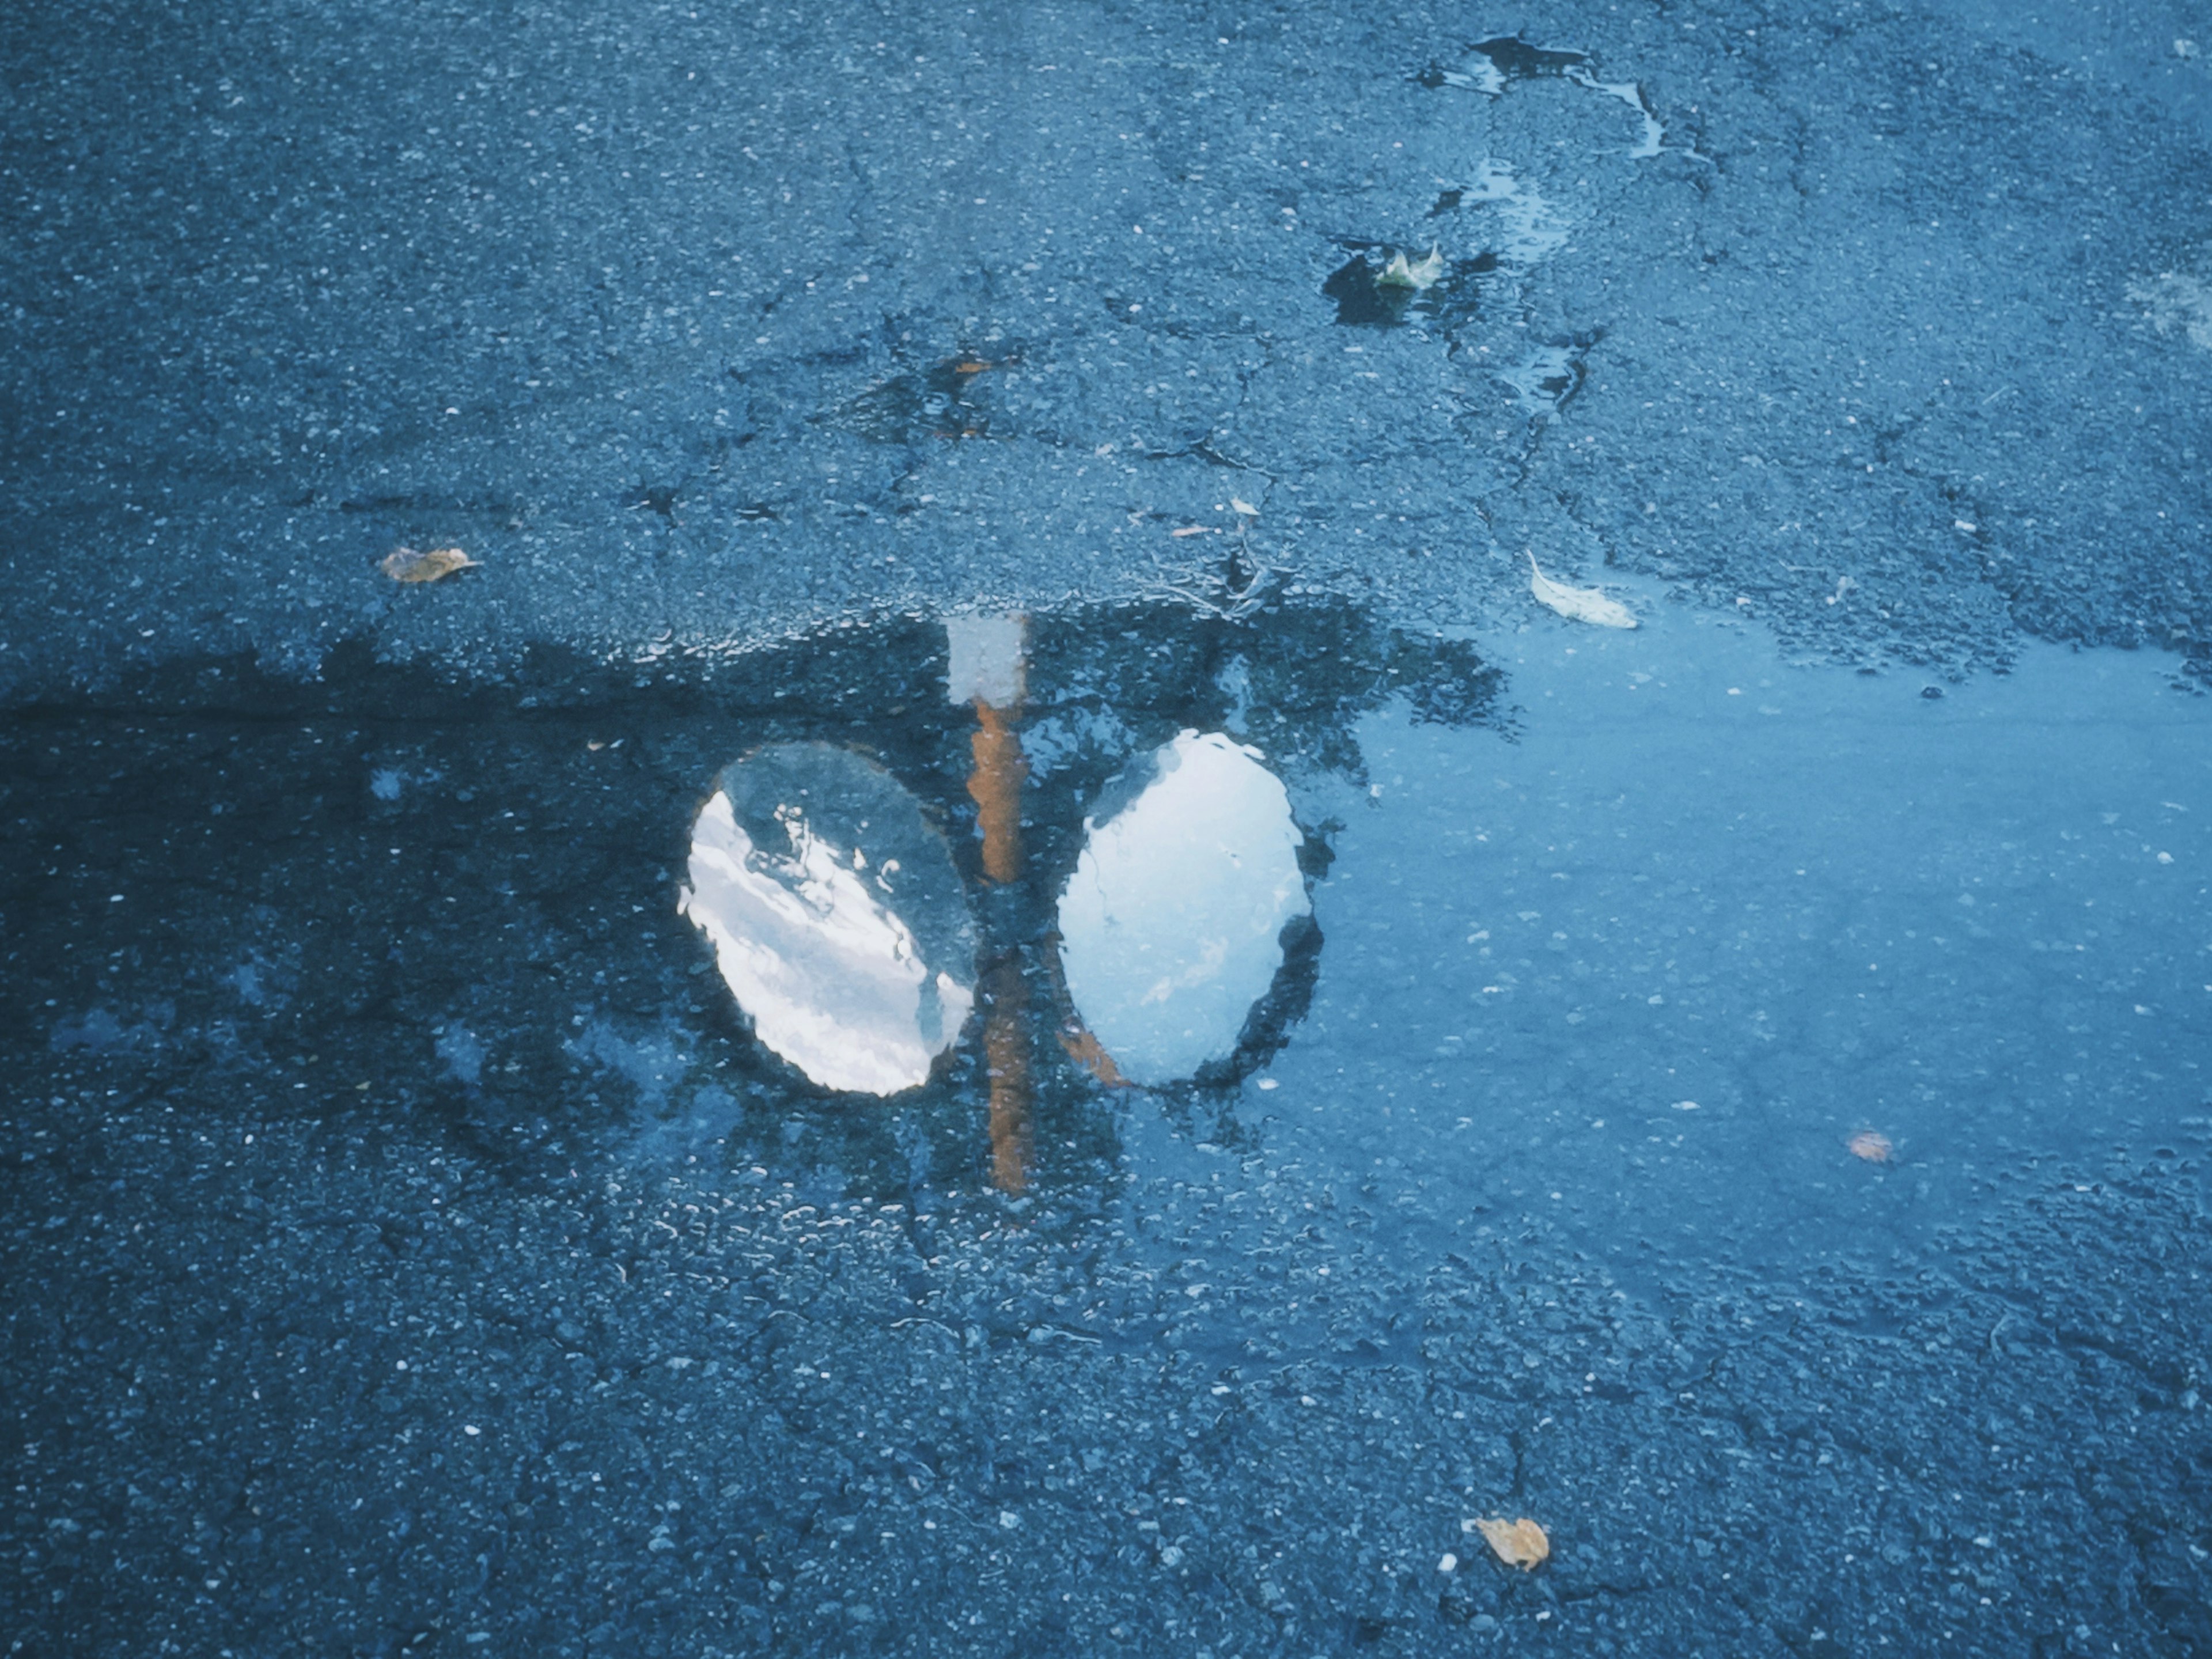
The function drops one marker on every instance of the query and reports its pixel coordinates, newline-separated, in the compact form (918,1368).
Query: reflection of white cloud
(1477,74)
(1171,927)
(832,977)
(652,1062)
(463,1052)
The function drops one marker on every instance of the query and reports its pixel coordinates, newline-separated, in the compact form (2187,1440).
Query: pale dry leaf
(1242,508)
(1585,604)
(404,564)
(1872,1145)
(1416,274)
(1520,1543)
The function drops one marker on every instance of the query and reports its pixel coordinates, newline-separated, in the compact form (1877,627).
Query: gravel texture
(409,1249)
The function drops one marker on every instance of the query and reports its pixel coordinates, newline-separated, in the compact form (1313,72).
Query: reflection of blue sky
(1170,925)
(1808,901)
(1527,229)
(1049,743)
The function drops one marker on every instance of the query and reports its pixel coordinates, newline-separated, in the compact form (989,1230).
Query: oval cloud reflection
(1171,925)
(836,915)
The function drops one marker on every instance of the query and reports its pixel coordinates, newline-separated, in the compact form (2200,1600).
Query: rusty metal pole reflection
(995,784)
(991,673)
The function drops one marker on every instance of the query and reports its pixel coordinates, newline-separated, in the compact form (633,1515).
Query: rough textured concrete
(659,312)
(411,1250)
(406,1403)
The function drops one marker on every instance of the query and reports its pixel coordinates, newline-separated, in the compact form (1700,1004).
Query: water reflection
(835,914)
(1171,925)
(816,1015)
(988,669)
(1083,836)
(1823,907)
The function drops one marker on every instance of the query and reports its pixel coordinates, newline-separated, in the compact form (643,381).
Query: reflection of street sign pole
(996,785)
(988,671)
(1006,1053)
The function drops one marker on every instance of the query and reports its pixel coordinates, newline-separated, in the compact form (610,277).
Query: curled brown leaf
(1521,1543)
(1872,1145)
(404,564)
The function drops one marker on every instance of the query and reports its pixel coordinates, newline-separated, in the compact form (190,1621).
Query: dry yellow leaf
(1872,1145)
(1520,1543)
(1416,274)
(404,564)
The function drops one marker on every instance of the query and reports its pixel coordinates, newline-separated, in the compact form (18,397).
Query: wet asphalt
(411,1249)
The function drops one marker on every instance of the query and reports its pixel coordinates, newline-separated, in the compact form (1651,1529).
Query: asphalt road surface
(1732,1092)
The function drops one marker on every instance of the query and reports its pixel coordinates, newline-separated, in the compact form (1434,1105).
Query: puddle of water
(1530,228)
(949,399)
(1365,301)
(1653,139)
(1171,925)
(1645,958)
(1490,66)
(1548,377)
(835,914)
(1651,965)
(870,834)
(1520,226)
(1524,229)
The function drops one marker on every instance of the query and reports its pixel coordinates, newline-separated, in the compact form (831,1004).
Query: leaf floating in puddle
(1520,1543)
(404,564)
(1585,604)
(1418,274)
(1872,1145)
